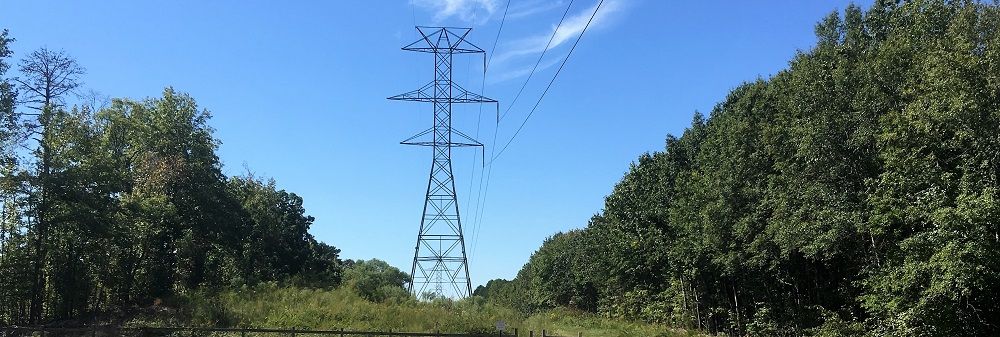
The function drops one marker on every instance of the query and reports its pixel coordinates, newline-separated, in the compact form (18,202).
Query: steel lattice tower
(440,265)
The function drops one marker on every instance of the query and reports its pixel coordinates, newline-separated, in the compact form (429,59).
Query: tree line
(854,192)
(107,208)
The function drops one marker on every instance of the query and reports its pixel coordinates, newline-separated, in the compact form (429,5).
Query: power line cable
(539,61)
(413,13)
(486,64)
(496,130)
(563,64)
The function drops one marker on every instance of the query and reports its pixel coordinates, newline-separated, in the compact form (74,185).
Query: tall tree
(14,260)
(118,205)
(48,77)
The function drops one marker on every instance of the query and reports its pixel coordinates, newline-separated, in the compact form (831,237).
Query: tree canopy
(106,210)
(855,191)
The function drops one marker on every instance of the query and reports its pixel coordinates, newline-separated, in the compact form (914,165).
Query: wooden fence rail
(106,331)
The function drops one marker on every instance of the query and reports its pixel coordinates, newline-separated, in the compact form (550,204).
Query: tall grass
(287,307)
(567,322)
(271,306)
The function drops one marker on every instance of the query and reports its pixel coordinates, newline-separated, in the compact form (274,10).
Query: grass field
(564,322)
(283,307)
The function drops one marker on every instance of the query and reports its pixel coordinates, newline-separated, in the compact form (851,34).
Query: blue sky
(297,91)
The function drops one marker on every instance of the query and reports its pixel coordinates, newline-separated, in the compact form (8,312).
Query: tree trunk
(736,301)
(41,220)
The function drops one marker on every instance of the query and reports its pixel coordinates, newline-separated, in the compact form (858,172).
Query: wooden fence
(108,331)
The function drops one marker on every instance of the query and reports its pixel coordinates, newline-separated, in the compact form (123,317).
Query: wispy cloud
(465,10)
(529,8)
(536,44)
(522,70)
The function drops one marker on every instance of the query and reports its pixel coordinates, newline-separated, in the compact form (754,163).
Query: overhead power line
(539,61)
(494,154)
(479,119)
(496,41)
(563,64)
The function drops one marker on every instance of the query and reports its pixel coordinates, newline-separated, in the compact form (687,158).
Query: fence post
(531,333)
(579,334)
(543,333)
(243,332)
(341,332)
(293,331)
(515,332)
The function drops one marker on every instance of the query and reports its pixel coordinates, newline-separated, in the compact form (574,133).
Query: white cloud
(523,70)
(465,10)
(570,28)
(530,8)
(511,60)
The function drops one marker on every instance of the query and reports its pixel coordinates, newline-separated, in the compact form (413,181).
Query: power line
(494,154)
(563,64)
(480,207)
(413,13)
(495,42)
(486,64)
(525,84)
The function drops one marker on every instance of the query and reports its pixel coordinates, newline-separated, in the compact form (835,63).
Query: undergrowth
(271,306)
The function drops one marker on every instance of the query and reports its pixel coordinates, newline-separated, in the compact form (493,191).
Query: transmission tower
(439,262)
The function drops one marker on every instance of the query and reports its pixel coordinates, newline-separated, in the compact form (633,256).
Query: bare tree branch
(48,76)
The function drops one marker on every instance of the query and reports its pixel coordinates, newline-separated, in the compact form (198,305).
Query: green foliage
(137,209)
(835,326)
(277,244)
(375,280)
(15,260)
(854,192)
(270,305)
(569,322)
(9,129)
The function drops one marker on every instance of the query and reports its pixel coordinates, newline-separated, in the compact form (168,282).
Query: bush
(376,280)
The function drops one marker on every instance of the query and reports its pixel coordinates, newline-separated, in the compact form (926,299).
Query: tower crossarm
(458,95)
(450,40)
(464,141)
